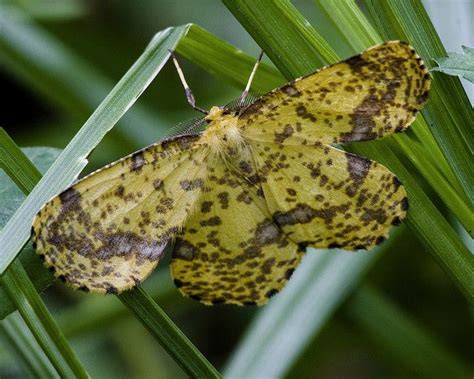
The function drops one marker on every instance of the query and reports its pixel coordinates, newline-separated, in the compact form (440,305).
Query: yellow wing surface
(230,250)
(108,231)
(364,97)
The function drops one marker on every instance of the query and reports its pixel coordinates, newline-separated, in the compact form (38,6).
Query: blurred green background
(108,36)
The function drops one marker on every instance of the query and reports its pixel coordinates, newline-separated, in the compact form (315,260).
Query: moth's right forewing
(108,231)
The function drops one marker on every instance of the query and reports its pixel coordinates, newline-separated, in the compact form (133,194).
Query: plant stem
(168,334)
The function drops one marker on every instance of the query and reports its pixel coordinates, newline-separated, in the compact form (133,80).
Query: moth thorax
(222,134)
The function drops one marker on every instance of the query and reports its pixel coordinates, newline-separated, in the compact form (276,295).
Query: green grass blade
(437,181)
(11,198)
(168,334)
(74,157)
(304,48)
(350,21)
(395,334)
(39,320)
(448,112)
(12,159)
(25,347)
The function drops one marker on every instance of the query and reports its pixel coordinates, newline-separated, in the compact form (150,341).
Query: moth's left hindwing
(325,198)
(108,231)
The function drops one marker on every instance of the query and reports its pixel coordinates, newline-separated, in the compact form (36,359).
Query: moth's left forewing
(324,198)
(368,96)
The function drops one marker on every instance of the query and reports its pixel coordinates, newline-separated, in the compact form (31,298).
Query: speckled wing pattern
(108,231)
(368,96)
(231,251)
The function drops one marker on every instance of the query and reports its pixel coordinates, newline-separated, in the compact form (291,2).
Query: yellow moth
(242,200)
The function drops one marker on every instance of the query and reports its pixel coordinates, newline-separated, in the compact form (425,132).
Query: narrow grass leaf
(41,324)
(11,160)
(11,198)
(20,289)
(24,346)
(305,49)
(213,54)
(168,334)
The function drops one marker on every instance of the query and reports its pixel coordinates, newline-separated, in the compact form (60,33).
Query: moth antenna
(249,83)
(187,90)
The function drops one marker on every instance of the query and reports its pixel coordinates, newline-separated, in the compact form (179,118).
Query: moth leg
(249,83)
(187,90)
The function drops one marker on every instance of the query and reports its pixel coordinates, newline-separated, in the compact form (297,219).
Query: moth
(242,200)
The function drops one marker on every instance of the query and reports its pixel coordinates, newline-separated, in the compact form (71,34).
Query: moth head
(214,113)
